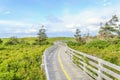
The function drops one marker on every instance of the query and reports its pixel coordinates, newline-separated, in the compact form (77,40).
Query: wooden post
(99,69)
(84,65)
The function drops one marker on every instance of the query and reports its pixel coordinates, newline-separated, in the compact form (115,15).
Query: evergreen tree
(77,35)
(42,37)
(107,29)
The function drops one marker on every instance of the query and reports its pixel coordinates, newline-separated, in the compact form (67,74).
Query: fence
(95,67)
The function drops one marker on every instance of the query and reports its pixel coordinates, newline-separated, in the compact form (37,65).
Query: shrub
(12,41)
(41,43)
(101,44)
(115,41)
(24,42)
(70,43)
(1,41)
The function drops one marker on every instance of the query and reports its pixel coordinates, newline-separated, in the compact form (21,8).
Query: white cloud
(14,23)
(107,3)
(10,28)
(88,19)
(85,20)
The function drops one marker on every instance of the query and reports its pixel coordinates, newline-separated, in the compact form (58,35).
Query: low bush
(1,41)
(12,41)
(70,43)
(107,50)
(101,44)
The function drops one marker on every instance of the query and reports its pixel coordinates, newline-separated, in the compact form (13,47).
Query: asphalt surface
(61,67)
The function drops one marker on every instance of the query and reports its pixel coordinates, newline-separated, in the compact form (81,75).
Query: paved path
(60,66)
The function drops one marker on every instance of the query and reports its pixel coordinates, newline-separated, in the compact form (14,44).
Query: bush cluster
(107,50)
(21,62)
(101,44)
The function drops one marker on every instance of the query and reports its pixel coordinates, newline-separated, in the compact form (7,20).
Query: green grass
(60,39)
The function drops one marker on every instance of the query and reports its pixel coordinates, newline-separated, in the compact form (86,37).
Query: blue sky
(23,18)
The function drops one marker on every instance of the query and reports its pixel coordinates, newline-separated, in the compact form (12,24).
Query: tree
(42,37)
(116,26)
(107,29)
(77,35)
(1,41)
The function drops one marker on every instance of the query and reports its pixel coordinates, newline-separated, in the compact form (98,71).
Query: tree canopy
(42,36)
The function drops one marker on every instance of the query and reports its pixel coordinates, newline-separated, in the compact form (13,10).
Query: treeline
(20,58)
(105,45)
(40,40)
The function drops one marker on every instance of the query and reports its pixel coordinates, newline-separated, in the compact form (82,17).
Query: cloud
(65,24)
(7,12)
(17,28)
(13,23)
(107,3)
(85,20)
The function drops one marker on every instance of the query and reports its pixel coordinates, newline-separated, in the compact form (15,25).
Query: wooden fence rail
(95,67)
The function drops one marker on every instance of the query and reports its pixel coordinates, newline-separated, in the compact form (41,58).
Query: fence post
(84,65)
(99,69)
(42,65)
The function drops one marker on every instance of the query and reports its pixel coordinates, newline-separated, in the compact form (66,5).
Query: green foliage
(74,43)
(41,36)
(114,41)
(101,44)
(107,50)
(23,42)
(106,30)
(21,61)
(1,41)
(12,41)
(77,35)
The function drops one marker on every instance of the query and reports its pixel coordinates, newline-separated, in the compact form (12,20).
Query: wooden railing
(95,67)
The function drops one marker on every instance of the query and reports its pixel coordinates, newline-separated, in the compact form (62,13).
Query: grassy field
(22,61)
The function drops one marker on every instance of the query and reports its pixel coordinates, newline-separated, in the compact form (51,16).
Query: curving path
(61,67)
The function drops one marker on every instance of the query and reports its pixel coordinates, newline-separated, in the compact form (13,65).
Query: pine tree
(77,35)
(42,37)
(107,29)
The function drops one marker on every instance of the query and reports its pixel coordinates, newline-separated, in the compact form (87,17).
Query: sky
(24,18)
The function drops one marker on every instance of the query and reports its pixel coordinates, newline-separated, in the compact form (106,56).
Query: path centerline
(62,67)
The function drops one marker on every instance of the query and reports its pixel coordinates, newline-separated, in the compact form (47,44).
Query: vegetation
(106,45)
(19,61)
(21,57)
(109,51)
(110,27)
(1,41)
(22,60)
(77,35)
(12,41)
(42,37)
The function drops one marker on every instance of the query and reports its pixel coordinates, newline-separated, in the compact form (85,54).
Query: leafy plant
(1,41)
(12,41)
(101,44)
